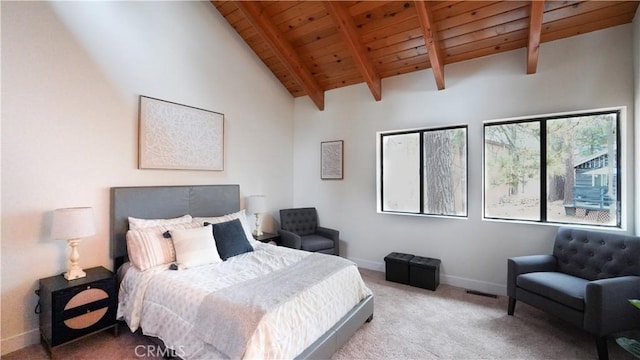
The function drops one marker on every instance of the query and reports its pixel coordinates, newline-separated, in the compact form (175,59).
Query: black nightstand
(267,237)
(77,308)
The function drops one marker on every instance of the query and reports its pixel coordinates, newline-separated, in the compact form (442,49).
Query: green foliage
(635,302)
(515,154)
(560,144)
(514,148)
(593,134)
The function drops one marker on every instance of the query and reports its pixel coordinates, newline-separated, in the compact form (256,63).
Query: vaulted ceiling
(314,46)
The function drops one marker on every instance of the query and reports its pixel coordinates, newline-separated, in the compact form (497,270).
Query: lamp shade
(256,204)
(73,223)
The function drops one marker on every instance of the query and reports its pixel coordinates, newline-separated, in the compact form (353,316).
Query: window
(554,169)
(423,171)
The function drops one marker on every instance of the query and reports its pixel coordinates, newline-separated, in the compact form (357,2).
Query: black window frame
(421,170)
(542,120)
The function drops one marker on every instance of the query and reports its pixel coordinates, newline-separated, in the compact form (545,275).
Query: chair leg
(512,306)
(601,345)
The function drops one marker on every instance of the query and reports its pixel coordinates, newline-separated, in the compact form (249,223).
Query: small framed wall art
(331,160)
(175,136)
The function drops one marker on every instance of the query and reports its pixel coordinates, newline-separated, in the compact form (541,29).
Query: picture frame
(179,137)
(331,160)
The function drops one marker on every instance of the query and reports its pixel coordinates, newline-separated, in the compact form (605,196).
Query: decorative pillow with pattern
(149,247)
(136,224)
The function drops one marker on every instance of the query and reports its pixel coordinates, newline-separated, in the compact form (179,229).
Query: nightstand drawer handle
(86,320)
(85,297)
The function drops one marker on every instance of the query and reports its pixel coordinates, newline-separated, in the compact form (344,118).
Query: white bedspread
(165,304)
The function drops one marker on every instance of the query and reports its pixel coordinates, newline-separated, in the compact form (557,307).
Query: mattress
(169,304)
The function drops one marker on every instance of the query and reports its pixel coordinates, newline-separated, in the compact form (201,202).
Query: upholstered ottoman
(424,272)
(397,267)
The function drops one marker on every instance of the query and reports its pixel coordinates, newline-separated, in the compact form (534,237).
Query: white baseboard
(370,265)
(19,341)
(476,285)
(457,281)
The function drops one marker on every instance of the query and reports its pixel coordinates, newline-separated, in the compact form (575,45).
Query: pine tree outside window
(423,171)
(561,168)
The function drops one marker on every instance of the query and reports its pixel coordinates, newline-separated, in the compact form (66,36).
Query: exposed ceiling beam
(347,28)
(431,40)
(283,50)
(535,29)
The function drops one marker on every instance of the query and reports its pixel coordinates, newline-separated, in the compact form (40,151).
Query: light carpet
(449,323)
(408,323)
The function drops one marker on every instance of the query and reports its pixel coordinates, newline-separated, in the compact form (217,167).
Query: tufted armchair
(300,230)
(586,282)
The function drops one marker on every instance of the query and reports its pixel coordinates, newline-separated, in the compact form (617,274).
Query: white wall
(72,74)
(584,72)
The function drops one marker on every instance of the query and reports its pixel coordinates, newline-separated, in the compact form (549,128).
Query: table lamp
(256,205)
(73,224)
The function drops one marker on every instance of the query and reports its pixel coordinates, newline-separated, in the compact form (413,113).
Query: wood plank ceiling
(314,46)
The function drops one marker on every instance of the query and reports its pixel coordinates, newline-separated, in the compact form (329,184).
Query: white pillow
(195,247)
(241,215)
(148,247)
(136,224)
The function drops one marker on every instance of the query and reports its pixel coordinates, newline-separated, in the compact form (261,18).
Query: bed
(185,308)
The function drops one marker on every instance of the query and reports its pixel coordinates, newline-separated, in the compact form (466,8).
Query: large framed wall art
(175,136)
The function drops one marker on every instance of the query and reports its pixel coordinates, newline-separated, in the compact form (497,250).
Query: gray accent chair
(300,230)
(586,282)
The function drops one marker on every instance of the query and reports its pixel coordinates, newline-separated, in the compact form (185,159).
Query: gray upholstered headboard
(162,202)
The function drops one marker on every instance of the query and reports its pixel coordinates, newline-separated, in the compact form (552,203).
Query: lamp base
(73,274)
(257,232)
(74,271)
